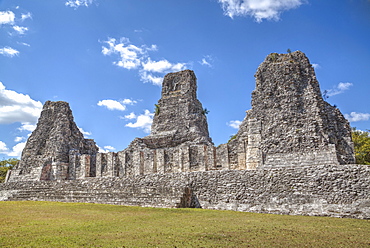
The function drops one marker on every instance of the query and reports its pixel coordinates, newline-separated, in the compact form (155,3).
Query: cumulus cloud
(143,121)
(26,16)
(106,149)
(149,78)
(128,102)
(133,57)
(234,124)
(116,105)
(8,51)
(17,107)
(16,151)
(20,30)
(19,139)
(354,116)
(111,148)
(27,126)
(6,17)
(78,3)
(258,9)
(9,18)
(3,147)
(339,89)
(161,66)
(130,116)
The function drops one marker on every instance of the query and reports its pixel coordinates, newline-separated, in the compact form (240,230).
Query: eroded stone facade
(289,125)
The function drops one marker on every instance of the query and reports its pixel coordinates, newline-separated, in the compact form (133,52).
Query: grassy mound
(54,224)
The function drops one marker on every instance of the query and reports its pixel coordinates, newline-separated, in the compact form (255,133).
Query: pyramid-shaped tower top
(179,116)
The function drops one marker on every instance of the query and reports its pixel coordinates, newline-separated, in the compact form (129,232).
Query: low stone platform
(330,190)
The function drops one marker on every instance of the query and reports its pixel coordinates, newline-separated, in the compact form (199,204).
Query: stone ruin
(289,125)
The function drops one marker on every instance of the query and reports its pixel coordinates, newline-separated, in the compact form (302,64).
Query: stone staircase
(118,193)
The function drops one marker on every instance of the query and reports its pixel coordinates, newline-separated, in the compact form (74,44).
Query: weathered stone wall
(326,190)
(47,153)
(179,116)
(289,121)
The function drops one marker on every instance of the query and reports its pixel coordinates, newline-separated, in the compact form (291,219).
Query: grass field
(53,224)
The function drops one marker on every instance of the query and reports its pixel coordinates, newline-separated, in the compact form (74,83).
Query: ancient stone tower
(179,138)
(179,116)
(47,153)
(290,123)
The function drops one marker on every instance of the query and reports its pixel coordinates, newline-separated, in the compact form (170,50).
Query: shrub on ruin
(361,141)
(6,165)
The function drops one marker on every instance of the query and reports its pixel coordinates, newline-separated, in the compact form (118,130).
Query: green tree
(361,141)
(6,165)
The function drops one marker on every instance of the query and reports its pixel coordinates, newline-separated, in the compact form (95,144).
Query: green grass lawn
(53,224)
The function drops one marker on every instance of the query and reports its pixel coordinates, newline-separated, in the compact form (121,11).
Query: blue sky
(107,59)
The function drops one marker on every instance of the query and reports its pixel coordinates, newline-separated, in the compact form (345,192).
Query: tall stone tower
(290,123)
(179,116)
(179,138)
(47,152)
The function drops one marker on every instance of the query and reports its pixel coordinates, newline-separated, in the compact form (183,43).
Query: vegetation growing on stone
(157,109)
(205,111)
(232,137)
(361,141)
(6,165)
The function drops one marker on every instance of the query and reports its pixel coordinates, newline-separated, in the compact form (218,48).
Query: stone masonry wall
(326,190)
(289,121)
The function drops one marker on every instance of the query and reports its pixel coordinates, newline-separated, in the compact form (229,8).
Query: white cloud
(344,86)
(17,150)
(17,107)
(234,124)
(20,30)
(26,16)
(111,148)
(3,147)
(19,139)
(24,44)
(354,116)
(207,61)
(85,133)
(316,66)
(143,121)
(129,102)
(106,149)
(26,126)
(77,3)
(112,105)
(116,105)
(8,51)
(132,57)
(6,17)
(130,116)
(162,66)
(258,9)
(339,89)
(150,78)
